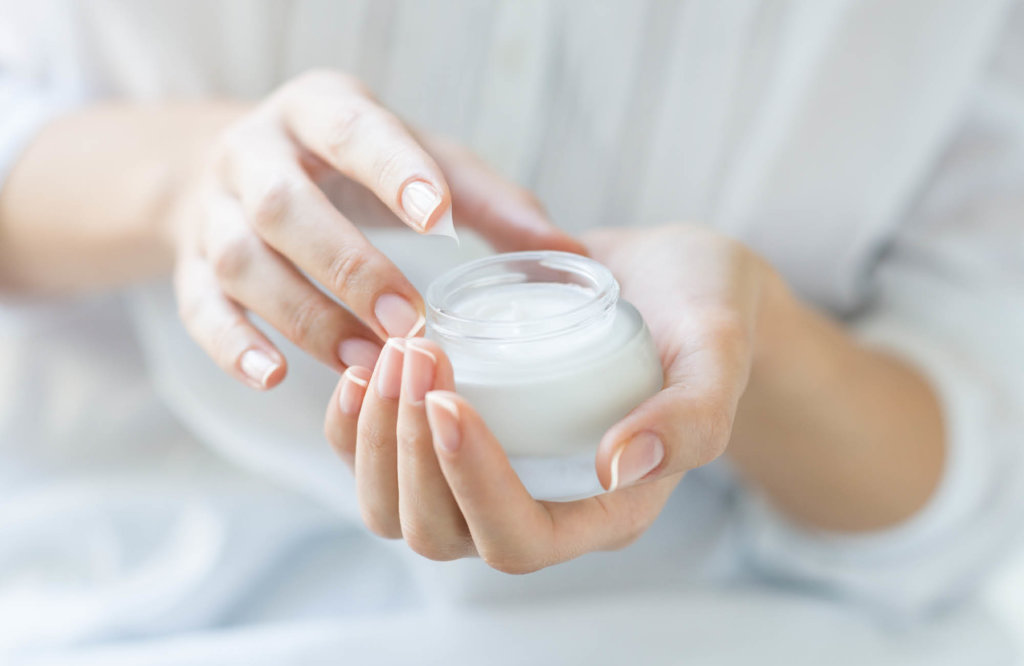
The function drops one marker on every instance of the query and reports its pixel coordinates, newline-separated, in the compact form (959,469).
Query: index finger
(335,117)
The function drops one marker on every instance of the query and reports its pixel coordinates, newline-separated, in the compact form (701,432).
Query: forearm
(839,436)
(86,206)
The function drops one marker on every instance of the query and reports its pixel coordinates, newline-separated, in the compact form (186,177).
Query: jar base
(562,479)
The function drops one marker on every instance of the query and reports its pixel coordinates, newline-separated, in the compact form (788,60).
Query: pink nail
(443,417)
(389,373)
(398,316)
(353,388)
(358,352)
(635,459)
(418,372)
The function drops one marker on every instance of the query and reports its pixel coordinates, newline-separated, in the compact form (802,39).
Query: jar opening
(521,297)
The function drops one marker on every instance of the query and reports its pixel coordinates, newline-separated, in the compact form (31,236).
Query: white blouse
(873,151)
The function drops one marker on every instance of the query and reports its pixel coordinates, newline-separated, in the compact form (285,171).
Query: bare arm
(839,436)
(87,205)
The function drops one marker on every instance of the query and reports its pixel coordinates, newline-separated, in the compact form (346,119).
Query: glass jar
(549,355)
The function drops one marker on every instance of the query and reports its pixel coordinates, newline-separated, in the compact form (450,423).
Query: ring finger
(376,455)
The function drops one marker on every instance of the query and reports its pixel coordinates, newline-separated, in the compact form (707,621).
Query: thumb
(670,433)
(684,426)
(505,214)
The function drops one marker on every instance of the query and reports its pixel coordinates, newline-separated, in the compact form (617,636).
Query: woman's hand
(428,470)
(255,229)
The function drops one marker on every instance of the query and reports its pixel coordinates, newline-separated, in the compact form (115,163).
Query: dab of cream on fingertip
(445,226)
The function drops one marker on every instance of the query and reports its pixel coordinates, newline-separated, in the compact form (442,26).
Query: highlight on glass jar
(543,347)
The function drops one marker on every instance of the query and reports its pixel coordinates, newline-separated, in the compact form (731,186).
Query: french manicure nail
(635,459)
(419,201)
(418,372)
(257,366)
(389,374)
(443,417)
(398,316)
(358,352)
(353,388)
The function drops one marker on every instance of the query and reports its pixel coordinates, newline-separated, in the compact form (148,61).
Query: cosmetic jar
(549,355)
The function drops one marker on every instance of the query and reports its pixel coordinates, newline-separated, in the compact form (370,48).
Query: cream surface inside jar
(549,355)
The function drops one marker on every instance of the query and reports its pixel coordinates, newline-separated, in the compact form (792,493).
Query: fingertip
(423,202)
(444,416)
(444,376)
(570,244)
(262,368)
(352,390)
(634,459)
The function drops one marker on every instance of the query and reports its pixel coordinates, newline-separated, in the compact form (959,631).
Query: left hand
(429,471)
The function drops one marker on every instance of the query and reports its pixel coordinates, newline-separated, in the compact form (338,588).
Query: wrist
(198,128)
(777,320)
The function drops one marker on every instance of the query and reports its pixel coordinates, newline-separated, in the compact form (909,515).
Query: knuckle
(232,258)
(304,319)
(717,430)
(392,167)
(348,270)
(348,125)
(273,203)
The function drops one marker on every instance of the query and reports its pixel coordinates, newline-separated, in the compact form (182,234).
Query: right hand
(253,229)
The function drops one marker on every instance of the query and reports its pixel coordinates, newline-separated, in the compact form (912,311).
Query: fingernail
(353,388)
(257,366)
(419,201)
(418,372)
(635,459)
(358,352)
(443,417)
(398,316)
(389,374)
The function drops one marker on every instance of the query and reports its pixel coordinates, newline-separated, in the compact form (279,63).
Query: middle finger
(295,217)
(431,522)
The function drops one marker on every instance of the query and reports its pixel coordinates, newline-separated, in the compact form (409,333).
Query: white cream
(551,358)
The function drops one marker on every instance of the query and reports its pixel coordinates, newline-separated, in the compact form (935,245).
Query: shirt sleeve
(36,82)
(949,300)
(24,109)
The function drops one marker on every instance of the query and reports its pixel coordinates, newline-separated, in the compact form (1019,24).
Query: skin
(839,436)
(241,202)
(238,202)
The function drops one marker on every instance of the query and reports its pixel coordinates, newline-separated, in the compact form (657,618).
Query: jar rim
(486,271)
